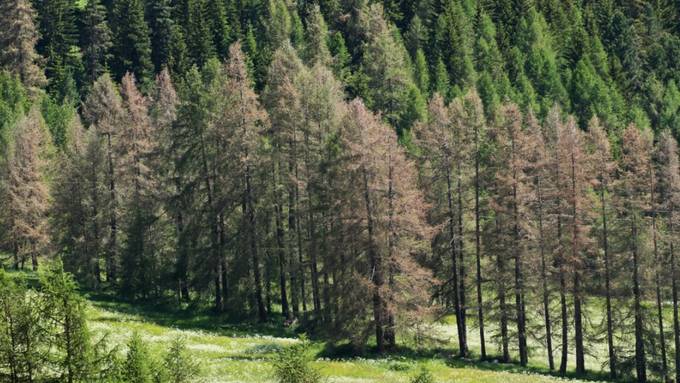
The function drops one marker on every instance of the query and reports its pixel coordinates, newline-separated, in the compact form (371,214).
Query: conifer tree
(96,41)
(18,40)
(134,148)
(283,102)
(509,201)
(441,138)
(219,27)
(26,193)
(669,187)
(574,183)
(390,81)
(538,170)
(137,367)
(317,51)
(131,42)
(103,111)
(58,37)
(65,313)
(392,226)
(603,168)
(632,194)
(246,121)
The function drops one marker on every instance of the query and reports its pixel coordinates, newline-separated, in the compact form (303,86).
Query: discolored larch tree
(573,163)
(281,97)
(26,197)
(103,111)
(602,166)
(392,224)
(509,201)
(539,171)
(669,197)
(439,142)
(632,201)
(244,122)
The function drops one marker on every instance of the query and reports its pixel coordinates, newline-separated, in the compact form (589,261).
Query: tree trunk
(608,295)
(478,252)
(519,283)
(461,261)
(280,247)
(657,280)
(311,225)
(376,265)
(252,239)
(544,278)
(111,254)
(674,287)
(292,232)
(578,315)
(640,363)
(500,265)
(462,347)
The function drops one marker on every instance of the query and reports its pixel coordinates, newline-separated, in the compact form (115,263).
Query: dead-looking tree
(391,221)
(25,196)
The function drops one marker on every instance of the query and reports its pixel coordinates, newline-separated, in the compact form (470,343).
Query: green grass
(243,352)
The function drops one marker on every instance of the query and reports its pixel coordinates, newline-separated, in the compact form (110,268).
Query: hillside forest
(360,169)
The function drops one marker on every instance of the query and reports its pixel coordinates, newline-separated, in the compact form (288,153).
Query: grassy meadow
(242,353)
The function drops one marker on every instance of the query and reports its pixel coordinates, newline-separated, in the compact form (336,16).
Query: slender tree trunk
(674,287)
(182,265)
(376,266)
(640,363)
(280,247)
(575,255)
(500,265)
(112,252)
(544,278)
(95,226)
(252,238)
(311,225)
(292,233)
(607,282)
(565,322)
(454,269)
(461,260)
(563,283)
(519,282)
(478,252)
(657,280)
(390,332)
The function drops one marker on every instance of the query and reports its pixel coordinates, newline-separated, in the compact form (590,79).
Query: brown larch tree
(509,201)
(438,140)
(669,197)
(539,170)
(476,126)
(393,226)
(573,165)
(632,201)
(246,121)
(18,37)
(602,167)
(27,197)
(103,111)
(282,100)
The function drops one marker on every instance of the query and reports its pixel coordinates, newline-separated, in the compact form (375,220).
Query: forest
(360,171)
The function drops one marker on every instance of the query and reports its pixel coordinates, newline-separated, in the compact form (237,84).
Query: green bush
(424,376)
(292,364)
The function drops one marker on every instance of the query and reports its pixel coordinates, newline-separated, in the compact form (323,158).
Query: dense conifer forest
(356,169)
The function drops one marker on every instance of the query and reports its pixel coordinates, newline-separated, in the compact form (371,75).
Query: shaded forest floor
(236,351)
